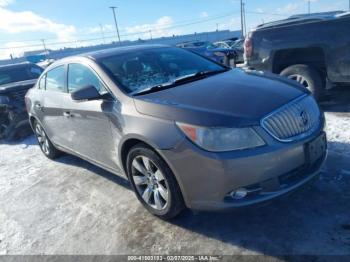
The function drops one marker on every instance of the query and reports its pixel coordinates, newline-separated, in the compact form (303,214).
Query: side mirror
(86,93)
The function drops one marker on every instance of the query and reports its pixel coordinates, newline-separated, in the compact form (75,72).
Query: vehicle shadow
(78,162)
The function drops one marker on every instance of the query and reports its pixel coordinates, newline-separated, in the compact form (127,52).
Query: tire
(308,76)
(151,180)
(49,150)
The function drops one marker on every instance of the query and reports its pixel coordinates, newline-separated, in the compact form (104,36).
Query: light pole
(44,45)
(103,34)
(242,29)
(115,21)
(244,22)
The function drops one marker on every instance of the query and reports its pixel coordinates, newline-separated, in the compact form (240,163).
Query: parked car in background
(237,46)
(187,132)
(311,49)
(15,80)
(45,63)
(221,55)
(224,44)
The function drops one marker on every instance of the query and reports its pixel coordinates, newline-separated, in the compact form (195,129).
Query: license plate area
(316,149)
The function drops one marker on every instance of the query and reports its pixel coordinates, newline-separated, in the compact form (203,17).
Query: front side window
(81,76)
(55,79)
(142,69)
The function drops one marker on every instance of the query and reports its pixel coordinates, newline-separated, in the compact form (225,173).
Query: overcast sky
(26,22)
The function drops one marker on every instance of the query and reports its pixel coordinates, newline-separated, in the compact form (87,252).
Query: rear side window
(55,79)
(81,76)
(42,83)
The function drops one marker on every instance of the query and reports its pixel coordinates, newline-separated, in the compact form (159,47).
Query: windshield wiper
(178,81)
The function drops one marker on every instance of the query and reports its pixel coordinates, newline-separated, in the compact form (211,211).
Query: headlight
(222,139)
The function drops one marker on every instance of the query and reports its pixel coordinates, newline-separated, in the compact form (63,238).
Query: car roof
(96,55)
(303,18)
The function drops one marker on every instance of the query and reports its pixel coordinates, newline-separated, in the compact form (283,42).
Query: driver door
(88,130)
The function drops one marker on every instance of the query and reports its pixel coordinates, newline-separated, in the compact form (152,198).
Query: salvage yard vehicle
(225,56)
(237,46)
(15,80)
(188,132)
(311,49)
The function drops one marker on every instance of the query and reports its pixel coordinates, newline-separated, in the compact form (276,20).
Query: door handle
(67,114)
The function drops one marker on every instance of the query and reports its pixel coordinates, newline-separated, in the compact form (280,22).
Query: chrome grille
(295,120)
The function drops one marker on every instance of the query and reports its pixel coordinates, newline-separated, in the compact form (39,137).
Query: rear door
(47,106)
(87,126)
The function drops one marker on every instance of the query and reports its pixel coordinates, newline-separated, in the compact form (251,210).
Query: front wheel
(307,76)
(154,183)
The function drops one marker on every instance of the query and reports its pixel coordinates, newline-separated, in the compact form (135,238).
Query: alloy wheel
(42,139)
(150,182)
(300,79)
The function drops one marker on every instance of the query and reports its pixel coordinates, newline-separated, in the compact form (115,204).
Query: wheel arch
(132,140)
(312,56)
(32,119)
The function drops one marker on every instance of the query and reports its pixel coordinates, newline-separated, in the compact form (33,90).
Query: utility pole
(244,22)
(43,41)
(103,34)
(309,6)
(115,21)
(242,29)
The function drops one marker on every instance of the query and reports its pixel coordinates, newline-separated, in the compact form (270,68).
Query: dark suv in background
(15,80)
(312,49)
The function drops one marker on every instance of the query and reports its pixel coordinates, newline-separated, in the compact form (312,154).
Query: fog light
(239,193)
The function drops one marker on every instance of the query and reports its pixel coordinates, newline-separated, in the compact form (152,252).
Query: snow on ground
(69,206)
(338,132)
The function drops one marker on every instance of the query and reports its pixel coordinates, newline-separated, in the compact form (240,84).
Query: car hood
(235,98)
(17,86)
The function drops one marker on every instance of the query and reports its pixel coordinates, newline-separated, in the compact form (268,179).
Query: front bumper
(207,178)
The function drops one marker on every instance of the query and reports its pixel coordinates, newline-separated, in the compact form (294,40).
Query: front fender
(158,134)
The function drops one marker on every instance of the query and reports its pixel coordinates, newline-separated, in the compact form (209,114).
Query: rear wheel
(154,183)
(44,142)
(307,76)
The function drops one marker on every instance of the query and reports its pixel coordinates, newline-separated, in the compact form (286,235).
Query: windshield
(143,69)
(18,74)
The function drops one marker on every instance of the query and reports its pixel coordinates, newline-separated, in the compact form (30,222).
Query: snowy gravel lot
(69,206)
